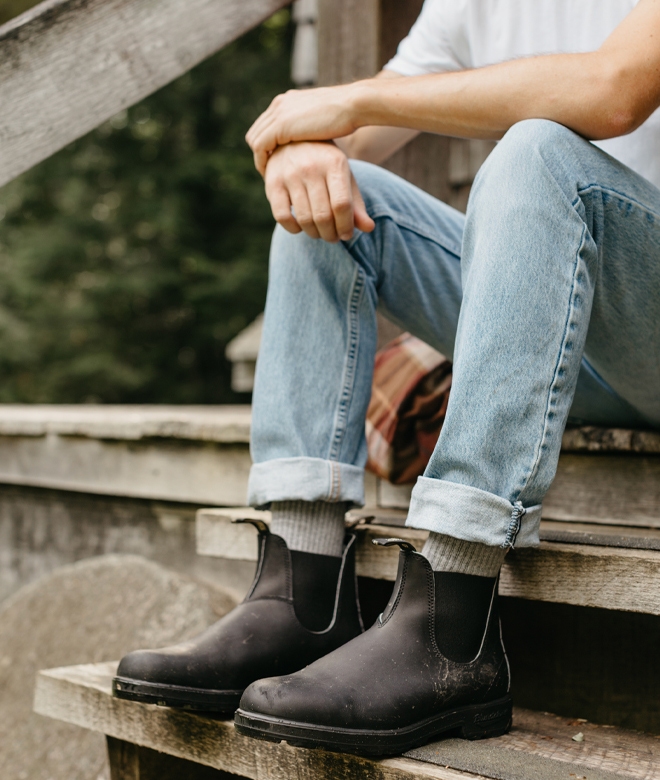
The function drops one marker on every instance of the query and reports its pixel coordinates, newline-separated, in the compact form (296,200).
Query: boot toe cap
(281,697)
(146,666)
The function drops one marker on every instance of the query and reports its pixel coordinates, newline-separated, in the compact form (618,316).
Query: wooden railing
(66,66)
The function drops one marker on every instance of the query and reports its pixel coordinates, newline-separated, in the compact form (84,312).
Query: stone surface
(95,610)
(41,530)
(193,454)
(223,424)
(201,472)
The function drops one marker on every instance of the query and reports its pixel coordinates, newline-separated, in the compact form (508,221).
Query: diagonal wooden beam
(66,66)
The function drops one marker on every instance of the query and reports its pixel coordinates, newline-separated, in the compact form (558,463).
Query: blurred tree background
(129,259)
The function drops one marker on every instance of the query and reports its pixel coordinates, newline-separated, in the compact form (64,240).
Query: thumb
(362,220)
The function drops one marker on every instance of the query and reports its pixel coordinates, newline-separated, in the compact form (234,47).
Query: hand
(316,180)
(302,115)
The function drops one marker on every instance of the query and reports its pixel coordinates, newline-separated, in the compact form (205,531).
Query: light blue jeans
(546,295)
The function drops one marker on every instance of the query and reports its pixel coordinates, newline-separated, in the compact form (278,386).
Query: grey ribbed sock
(310,526)
(446,553)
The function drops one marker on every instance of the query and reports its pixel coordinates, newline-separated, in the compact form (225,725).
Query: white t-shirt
(452,35)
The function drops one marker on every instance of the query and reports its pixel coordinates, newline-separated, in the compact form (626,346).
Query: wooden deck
(592,575)
(539,747)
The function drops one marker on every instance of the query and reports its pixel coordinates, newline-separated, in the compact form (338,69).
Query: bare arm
(310,186)
(599,94)
(376,143)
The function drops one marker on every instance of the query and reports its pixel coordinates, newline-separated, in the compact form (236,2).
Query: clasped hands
(309,183)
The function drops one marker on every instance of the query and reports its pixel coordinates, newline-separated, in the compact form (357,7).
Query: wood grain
(66,66)
(621,489)
(356,38)
(590,438)
(132,762)
(423,162)
(589,576)
(466,156)
(81,695)
(581,662)
(584,575)
(349,40)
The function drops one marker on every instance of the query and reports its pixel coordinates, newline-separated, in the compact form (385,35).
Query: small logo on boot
(485,717)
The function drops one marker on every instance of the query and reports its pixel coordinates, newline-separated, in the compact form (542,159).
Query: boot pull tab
(402,543)
(353,524)
(258,524)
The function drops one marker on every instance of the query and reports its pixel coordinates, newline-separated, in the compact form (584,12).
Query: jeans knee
(298,262)
(536,134)
(533,154)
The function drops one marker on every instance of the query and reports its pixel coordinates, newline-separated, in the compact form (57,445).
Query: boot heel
(488,720)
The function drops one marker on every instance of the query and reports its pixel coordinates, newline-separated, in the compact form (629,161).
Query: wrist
(365,104)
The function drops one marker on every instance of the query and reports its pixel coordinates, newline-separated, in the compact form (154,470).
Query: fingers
(311,188)
(280,205)
(260,137)
(341,199)
(362,219)
(260,162)
(322,211)
(302,208)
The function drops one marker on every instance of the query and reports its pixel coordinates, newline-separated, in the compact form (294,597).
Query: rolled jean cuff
(474,515)
(305,479)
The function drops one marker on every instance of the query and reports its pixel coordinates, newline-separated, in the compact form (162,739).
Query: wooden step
(585,574)
(540,746)
(604,475)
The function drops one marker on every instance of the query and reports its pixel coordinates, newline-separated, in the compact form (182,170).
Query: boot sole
(477,721)
(223,703)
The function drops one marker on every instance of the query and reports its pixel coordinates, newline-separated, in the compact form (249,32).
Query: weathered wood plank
(123,759)
(540,742)
(356,38)
(466,156)
(195,472)
(66,66)
(82,695)
(226,424)
(613,478)
(396,19)
(132,762)
(584,575)
(349,40)
(423,162)
(589,663)
(606,488)
(589,438)
(589,576)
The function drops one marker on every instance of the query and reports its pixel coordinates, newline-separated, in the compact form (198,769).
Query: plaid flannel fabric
(409,399)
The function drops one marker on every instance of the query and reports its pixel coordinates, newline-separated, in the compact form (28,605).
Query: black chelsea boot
(390,689)
(300,607)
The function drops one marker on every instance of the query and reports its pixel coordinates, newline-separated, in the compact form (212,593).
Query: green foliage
(11,8)
(131,258)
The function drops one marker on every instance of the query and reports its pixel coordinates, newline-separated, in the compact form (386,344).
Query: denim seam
(402,222)
(345,397)
(622,195)
(550,402)
(515,524)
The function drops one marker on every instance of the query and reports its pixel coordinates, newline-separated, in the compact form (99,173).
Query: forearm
(599,94)
(375,144)
(580,91)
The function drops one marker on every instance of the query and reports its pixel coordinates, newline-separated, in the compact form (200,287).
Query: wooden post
(132,762)
(356,38)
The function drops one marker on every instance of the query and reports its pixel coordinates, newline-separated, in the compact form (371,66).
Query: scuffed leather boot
(390,689)
(300,607)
